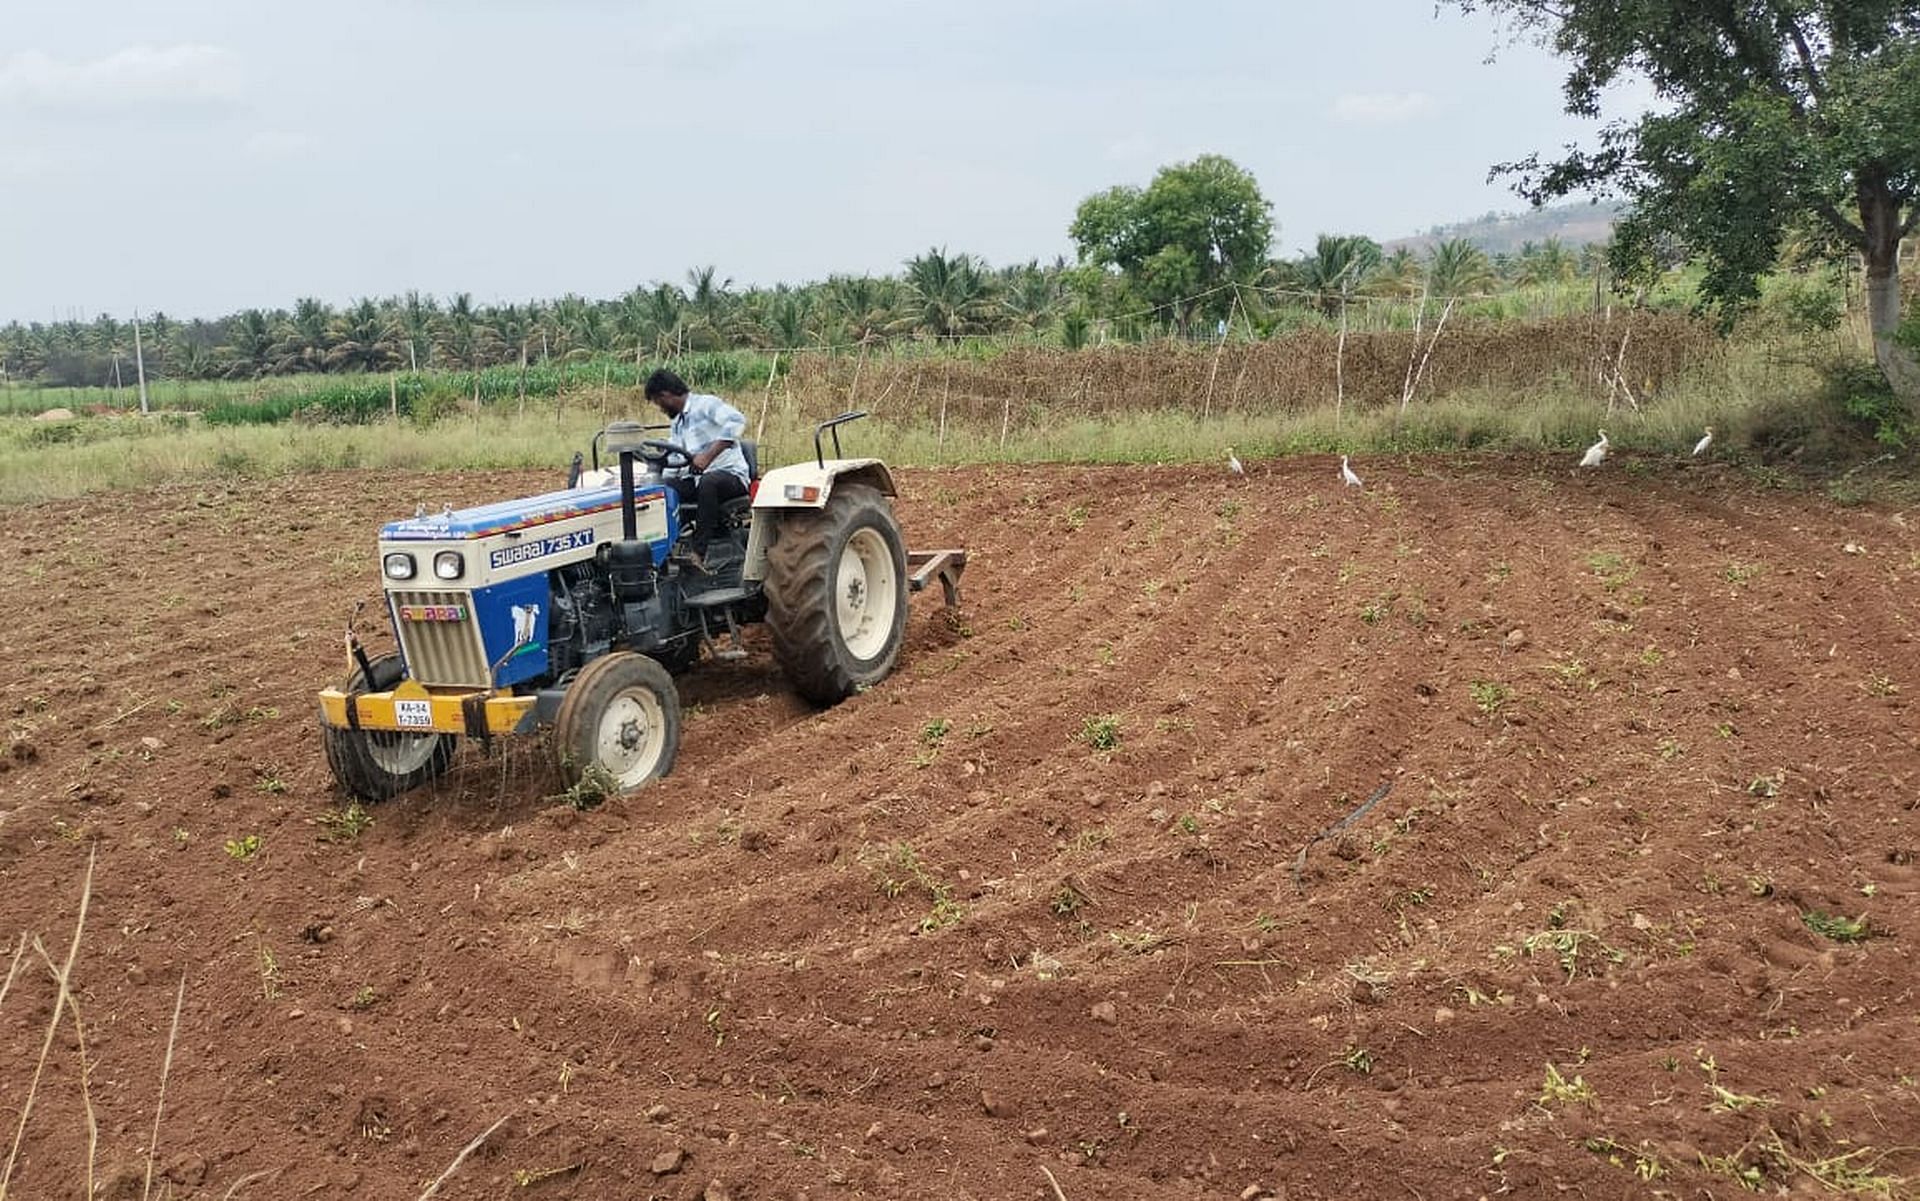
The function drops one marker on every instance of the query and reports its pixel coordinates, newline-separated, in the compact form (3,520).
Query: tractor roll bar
(834,424)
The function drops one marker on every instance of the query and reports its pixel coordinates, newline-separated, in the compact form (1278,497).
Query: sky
(202,156)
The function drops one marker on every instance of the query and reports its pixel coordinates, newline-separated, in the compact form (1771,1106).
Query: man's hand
(705,459)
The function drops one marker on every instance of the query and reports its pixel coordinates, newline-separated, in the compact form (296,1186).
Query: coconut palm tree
(1457,267)
(303,339)
(364,339)
(1336,270)
(462,335)
(710,304)
(1029,297)
(789,318)
(249,348)
(863,306)
(1399,274)
(946,295)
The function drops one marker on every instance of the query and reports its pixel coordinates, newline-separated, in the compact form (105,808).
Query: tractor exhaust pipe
(629,523)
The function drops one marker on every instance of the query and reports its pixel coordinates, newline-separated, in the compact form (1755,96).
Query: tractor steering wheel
(667,452)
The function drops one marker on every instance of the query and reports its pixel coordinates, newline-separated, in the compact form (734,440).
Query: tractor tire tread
(352,762)
(800,604)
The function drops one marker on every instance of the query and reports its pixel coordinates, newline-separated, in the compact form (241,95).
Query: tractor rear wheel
(376,765)
(837,594)
(619,721)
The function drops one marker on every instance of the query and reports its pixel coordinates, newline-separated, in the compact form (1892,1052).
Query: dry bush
(1293,372)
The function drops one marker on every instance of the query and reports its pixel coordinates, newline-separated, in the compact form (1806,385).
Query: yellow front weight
(413,709)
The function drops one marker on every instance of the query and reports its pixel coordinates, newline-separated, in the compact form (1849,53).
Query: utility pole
(139,363)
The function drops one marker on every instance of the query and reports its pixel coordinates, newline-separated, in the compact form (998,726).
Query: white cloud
(1381,108)
(133,77)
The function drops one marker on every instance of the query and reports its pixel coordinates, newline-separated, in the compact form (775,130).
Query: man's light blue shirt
(707,419)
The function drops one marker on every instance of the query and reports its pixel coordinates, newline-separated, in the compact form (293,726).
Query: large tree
(1180,241)
(1776,117)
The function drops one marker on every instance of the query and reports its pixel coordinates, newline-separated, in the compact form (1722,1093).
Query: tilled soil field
(1046,915)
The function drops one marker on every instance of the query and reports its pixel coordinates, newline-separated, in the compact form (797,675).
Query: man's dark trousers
(708,491)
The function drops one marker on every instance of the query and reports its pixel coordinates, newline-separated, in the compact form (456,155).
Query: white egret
(1346,474)
(1596,452)
(1233,463)
(1700,447)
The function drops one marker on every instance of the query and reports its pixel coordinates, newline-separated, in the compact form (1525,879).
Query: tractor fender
(803,487)
(808,485)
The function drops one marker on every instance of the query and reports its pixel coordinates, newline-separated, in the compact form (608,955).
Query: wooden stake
(1340,366)
(1220,345)
(760,427)
(1438,329)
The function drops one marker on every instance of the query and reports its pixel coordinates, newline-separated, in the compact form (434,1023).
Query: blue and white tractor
(572,611)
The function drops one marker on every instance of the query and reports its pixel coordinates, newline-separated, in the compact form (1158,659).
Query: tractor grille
(439,652)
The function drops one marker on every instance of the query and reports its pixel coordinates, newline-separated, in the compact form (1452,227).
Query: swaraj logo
(433,613)
(539,548)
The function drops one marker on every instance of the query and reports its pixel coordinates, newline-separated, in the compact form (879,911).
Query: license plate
(413,714)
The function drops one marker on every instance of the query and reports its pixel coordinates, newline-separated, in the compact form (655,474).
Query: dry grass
(65,976)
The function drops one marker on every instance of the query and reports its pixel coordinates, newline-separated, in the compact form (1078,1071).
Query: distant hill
(1575,223)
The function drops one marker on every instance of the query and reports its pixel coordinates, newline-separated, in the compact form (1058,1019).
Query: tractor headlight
(449,565)
(398,566)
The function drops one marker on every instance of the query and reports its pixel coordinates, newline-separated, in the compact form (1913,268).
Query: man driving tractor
(710,429)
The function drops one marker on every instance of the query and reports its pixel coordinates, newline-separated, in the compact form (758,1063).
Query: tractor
(572,611)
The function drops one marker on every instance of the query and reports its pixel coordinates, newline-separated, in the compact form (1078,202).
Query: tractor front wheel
(619,721)
(837,594)
(376,765)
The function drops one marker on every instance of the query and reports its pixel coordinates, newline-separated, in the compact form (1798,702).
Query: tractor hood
(483,521)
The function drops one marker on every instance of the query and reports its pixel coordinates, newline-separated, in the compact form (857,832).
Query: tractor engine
(526,591)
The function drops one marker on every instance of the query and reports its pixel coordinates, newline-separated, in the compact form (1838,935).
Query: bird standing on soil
(1596,452)
(1233,463)
(1700,447)
(1347,476)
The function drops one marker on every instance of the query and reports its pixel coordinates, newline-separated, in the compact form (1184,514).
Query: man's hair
(665,383)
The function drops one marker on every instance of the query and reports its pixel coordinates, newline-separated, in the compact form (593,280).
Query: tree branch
(1765,69)
(1805,54)
(1855,235)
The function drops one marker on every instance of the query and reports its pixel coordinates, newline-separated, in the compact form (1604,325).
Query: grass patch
(898,871)
(1558,1090)
(1489,695)
(1101,732)
(1838,927)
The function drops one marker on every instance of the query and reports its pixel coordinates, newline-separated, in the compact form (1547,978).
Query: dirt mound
(1635,913)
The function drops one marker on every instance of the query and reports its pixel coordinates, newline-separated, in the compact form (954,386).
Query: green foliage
(1779,119)
(345,825)
(1102,732)
(898,871)
(1838,927)
(1196,227)
(594,788)
(1558,1090)
(1337,269)
(243,848)
(1489,695)
(429,396)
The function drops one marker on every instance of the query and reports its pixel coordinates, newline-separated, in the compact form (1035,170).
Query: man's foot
(695,562)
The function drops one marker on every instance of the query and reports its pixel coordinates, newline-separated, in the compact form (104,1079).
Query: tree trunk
(1880,218)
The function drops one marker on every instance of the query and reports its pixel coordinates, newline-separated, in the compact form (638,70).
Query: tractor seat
(752,452)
